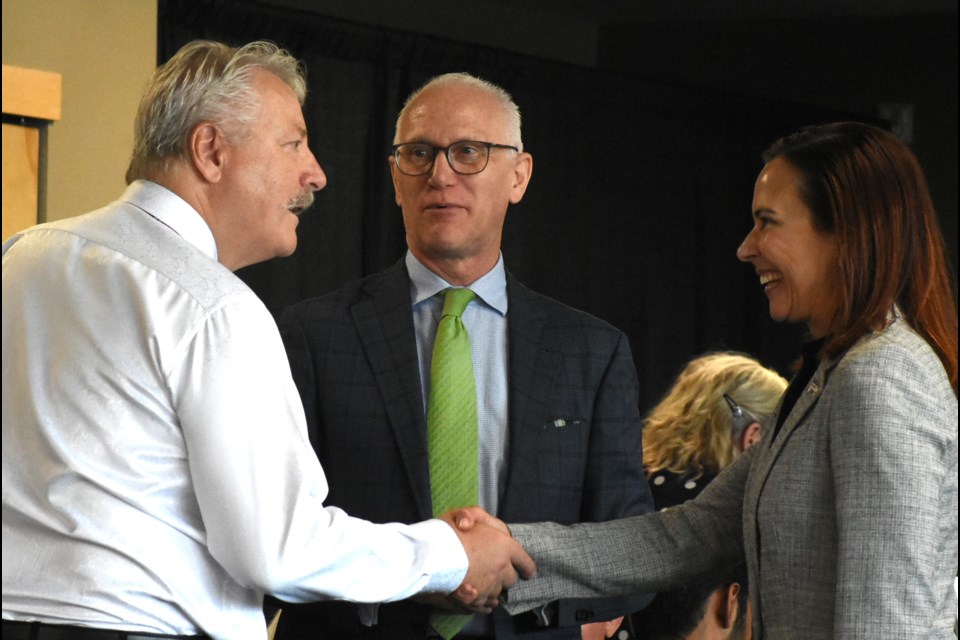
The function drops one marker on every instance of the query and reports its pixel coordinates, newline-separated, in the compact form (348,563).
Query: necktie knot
(455,301)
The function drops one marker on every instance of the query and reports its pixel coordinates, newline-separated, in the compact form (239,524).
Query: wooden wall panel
(32,98)
(21,155)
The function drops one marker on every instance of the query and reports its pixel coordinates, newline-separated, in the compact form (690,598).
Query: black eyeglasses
(741,418)
(466,157)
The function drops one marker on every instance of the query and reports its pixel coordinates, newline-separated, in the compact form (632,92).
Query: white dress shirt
(157,474)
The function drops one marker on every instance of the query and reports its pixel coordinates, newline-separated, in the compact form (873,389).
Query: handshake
(495,562)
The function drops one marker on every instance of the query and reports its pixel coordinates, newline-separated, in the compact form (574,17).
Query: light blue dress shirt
(486,321)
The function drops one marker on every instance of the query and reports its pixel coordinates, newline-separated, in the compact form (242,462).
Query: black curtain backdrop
(640,193)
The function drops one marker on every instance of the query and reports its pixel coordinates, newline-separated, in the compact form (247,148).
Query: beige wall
(105,50)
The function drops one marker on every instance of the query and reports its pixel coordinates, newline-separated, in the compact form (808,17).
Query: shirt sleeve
(894,462)
(260,487)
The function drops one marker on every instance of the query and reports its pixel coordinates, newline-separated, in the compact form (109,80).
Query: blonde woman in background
(713,412)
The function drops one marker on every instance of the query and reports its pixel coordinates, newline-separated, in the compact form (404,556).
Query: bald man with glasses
(558,429)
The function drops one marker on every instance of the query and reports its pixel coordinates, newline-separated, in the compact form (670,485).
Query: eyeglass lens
(466,157)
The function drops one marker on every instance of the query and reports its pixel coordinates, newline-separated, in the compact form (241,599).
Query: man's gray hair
(204,81)
(510,108)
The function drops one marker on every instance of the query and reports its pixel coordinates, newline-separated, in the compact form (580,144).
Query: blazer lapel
(532,369)
(771,450)
(384,322)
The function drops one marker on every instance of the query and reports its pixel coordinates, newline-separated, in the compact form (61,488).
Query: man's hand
(495,558)
(465,518)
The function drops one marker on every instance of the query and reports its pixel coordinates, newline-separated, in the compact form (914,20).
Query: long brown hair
(866,187)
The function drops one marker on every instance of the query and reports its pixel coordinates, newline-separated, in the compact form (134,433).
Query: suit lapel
(384,322)
(532,370)
(769,452)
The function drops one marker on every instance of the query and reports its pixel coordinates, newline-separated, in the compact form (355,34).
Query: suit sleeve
(894,463)
(615,485)
(649,553)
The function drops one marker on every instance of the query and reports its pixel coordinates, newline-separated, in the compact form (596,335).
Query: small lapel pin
(562,422)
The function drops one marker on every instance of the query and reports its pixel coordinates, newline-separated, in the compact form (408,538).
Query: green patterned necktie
(452,438)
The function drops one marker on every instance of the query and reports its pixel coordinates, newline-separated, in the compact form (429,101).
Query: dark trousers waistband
(15,630)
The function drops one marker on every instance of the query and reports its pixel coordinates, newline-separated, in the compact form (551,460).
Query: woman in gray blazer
(846,511)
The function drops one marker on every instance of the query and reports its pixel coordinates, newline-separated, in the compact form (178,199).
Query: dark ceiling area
(607,12)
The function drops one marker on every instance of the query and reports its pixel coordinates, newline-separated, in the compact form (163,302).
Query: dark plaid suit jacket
(574,451)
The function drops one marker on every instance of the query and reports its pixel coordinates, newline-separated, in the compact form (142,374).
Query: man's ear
(207,148)
(522,170)
(724,605)
(394,177)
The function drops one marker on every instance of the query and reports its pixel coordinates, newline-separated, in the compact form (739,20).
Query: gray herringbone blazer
(847,519)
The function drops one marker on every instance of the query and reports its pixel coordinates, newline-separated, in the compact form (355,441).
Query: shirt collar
(173,211)
(491,288)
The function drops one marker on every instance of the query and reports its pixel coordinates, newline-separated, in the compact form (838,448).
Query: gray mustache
(302,202)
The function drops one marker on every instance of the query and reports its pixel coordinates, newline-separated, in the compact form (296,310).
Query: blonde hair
(204,81)
(689,431)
